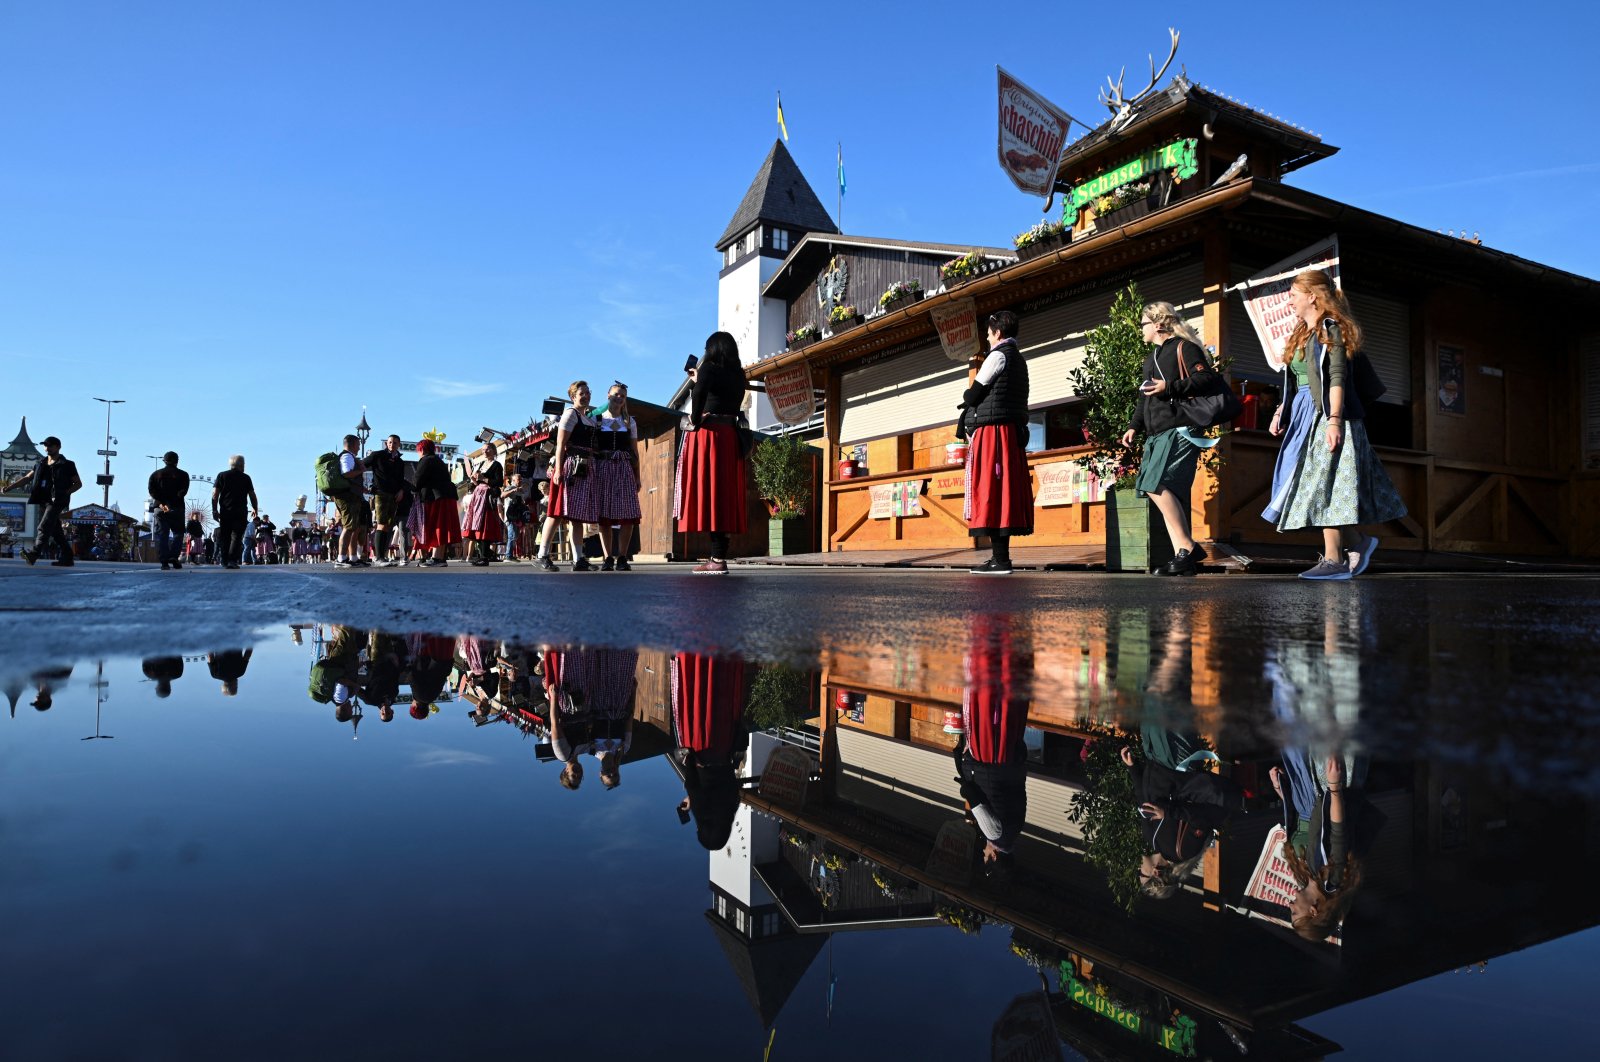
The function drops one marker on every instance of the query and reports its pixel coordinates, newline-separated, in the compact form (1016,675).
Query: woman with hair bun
(1175,368)
(573,496)
(710,494)
(1327,475)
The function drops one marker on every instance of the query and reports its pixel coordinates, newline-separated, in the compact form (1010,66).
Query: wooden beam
(1481,491)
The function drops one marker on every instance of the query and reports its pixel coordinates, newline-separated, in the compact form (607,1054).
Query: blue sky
(251,220)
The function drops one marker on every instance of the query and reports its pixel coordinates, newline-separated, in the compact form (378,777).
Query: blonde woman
(573,497)
(1327,475)
(617,466)
(1175,368)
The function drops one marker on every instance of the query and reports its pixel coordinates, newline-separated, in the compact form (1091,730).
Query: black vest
(1007,400)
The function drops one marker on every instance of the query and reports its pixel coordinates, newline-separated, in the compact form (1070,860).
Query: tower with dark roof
(18,517)
(778,209)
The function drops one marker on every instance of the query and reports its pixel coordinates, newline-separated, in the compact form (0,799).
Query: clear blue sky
(249,220)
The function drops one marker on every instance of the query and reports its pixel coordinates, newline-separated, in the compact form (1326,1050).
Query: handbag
(580,466)
(1216,404)
(1369,388)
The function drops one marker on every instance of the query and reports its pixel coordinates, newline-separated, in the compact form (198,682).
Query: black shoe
(177,565)
(64,562)
(545,564)
(582,565)
(1187,562)
(623,565)
(165,566)
(993,567)
(479,562)
(30,555)
(609,564)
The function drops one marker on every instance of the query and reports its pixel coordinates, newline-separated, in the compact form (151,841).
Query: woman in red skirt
(999,500)
(711,738)
(441,519)
(992,756)
(480,521)
(710,491)
(573,496)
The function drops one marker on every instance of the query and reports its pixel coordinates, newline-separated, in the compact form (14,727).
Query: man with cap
(54,481)
(169,485)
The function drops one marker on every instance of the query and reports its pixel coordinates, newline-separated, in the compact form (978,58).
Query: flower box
(841,324)
(902,302)
(1121,216)
(1044,245)
(801,344)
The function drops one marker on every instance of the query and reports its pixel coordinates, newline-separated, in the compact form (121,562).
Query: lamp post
(363,431)
(105,480)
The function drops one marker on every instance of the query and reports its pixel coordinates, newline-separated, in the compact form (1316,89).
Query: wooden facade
(1503,475)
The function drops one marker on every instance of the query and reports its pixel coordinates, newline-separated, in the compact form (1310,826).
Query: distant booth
(1490,426)
(95,527)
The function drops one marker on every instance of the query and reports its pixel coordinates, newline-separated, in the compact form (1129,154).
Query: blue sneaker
(1327,571)
(1360,558)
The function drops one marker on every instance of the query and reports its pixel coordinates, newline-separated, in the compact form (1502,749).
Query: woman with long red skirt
(711,737)
(999,501)
(710,491)
(441,517)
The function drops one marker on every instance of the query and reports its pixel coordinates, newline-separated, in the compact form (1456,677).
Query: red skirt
(994,705)
(707,701)
(710,490)
(441,524)
(999,488)
(480,520)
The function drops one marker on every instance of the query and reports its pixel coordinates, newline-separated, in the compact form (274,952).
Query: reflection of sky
(238,871)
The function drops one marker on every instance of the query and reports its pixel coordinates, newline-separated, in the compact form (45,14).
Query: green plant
(1108,380)
(1105,809)
(900,289)
(965,266)
(1041,231)
(801,334)
(779,697)
(843,313)
(961,916)
(1127,195)
(782,465)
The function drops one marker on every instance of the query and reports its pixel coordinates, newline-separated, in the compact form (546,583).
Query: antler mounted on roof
(1122,106)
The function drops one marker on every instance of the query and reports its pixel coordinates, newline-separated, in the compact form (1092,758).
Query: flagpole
(840,211)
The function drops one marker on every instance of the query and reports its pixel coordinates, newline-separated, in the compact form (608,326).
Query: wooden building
(1487,357)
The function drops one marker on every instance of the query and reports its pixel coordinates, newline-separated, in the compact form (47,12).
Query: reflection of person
(710,494)
(1181,805)
(163,671)
(45,682)
(1321,803)
(711,735)
(591,693)
(991,756)
(432,657)
(1327,475)
(386,658)
(228,667)
(1176,368)
(999,491)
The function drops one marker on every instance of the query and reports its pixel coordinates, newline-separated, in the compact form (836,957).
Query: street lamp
(108,453)
(363,431)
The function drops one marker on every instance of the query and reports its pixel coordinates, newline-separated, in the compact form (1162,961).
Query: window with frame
(780,239)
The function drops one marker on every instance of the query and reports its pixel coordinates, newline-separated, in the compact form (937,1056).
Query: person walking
(1176,367)
(573,495)
(999,490)
(195,532)
(1327,475)
(233,502)
(710,491)
(617,465)
(169,485)
(265,541)
(55,479)
(480,520)
(249,556)
(390,493)
(441,518)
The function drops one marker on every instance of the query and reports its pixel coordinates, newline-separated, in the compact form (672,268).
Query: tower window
(750,242)
(780,239)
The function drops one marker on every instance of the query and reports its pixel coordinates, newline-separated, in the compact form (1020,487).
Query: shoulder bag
(1214,404)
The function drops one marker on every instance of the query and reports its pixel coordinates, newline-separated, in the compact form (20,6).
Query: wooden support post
(1214,509)
(832,419)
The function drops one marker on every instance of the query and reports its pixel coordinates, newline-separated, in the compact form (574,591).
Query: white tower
(777,210)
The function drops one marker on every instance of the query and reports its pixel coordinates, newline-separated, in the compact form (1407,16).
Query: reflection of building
(17,517)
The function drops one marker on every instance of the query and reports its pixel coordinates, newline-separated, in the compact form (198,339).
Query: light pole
(363,432)
(105,480)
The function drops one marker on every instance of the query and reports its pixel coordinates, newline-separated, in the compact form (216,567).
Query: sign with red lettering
(1064,483)
(1033,132)
(948,484)
(1266,295)
(783,779)
(793,400)
(957,323)
(1272,886)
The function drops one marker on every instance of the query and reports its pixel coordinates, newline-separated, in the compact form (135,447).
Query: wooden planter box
(787,537)
(845,324)
(801,344)
(1123,215)
(1136,537)
(1045,246)
(902,302)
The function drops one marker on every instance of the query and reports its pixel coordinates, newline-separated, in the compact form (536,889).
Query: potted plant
(1108,381)
(1105,809)
(780,696)
(961,269)
(802,337)
(842,317)
(783,468)
(1043,238)
(1125,204)
(900,294)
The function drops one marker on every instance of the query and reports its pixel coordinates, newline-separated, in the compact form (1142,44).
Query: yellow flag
(781,124)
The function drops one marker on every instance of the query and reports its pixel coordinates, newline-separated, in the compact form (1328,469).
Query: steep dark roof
(22,445)
(769,969)
(781,195)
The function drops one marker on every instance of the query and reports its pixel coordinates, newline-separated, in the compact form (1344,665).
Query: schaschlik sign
(1178,156)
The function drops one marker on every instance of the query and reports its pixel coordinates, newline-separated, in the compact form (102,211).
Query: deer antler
(1116,102)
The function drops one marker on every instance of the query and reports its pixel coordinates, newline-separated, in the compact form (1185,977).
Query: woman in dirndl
(710,490)
(1327,475)
(480,520)
(999,502)
(591,693)
(1176,367)
(574,497)
(617,469)
(436,493)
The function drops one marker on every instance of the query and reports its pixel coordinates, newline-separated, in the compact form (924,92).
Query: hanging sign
(784,778)
(1272,886)
(957,323)
(1266,295)
(1032,133)
(1178,156)
(793,399)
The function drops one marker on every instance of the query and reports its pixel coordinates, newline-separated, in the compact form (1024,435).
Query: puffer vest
(1007,400)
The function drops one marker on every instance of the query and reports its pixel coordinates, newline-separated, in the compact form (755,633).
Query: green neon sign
(1178,156)
(1177,1038)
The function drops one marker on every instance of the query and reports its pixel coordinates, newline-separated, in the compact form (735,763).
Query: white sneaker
(386,564)
(342,564)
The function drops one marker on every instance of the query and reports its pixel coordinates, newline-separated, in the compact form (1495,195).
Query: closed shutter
(1386,331)
(909,393)
(1053,340)
(1244,346)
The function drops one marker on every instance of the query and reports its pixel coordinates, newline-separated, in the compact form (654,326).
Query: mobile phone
(688,366)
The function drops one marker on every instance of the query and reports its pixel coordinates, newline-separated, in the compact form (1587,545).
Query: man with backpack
(54,480)
(345,488)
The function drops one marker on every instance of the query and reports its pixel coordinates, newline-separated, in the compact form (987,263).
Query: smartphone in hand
(689,365)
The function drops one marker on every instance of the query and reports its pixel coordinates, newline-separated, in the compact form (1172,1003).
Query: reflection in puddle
(1146,840)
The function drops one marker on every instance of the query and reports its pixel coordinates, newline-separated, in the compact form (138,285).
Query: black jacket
(1156,414)
(388,472)
(433,479)
(717,392)
(169,487)
(53,484)
(1003,400)
(1195,804)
